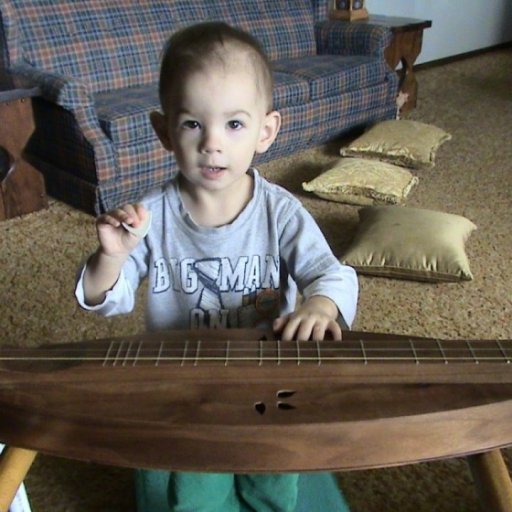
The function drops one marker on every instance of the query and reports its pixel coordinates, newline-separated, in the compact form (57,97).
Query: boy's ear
(269,131)
(159,123)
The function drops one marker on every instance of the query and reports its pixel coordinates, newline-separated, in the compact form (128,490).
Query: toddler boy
(225,248)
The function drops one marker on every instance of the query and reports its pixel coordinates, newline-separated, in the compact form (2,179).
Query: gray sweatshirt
(244,274)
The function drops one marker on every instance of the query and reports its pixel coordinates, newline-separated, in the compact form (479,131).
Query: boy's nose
(211,142)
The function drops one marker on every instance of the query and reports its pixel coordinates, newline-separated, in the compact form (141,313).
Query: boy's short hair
(191,49)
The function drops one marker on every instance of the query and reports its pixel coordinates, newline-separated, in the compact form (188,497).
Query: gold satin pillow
(399,141)
(410,243)
(363,182)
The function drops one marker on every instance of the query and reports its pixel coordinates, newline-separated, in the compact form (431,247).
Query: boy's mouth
(213,169)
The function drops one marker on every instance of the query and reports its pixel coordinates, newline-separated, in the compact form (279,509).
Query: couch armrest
(65,91)
(75,97)
(349,38)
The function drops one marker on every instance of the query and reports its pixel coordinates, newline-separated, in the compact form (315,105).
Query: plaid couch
(96,63)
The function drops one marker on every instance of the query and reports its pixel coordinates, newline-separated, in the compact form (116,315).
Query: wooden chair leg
(492,480)
(14,465)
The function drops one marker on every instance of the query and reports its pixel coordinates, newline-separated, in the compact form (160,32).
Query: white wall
(458,26)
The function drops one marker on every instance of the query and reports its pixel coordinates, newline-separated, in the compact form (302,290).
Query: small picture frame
(349,10)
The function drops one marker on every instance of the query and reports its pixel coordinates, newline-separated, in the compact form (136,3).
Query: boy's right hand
(116,243)
(115,240)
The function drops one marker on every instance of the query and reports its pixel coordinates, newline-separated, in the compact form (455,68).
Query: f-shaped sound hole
(285,393)
(285,407)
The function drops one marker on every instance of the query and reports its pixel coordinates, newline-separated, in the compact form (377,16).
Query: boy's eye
(235,124)
(191,125)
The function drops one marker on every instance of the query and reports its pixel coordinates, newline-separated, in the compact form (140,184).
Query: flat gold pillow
(410,243)
(399,141)
(363,182)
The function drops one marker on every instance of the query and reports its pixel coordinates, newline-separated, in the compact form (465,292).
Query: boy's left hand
(312,320)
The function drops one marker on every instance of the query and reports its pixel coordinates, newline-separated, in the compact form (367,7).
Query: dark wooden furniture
(404,49)
(239,400)
(22,187)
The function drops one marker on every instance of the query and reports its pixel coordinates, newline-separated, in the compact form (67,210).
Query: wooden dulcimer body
(239,400)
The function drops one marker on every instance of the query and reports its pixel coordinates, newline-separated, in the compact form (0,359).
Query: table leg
(14,465)
(405,49)
(22,187)
(492,480)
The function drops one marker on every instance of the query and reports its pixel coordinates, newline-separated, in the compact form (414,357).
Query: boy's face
(216,124)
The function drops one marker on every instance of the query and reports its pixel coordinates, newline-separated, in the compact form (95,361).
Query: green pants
(216,492)
(161,491)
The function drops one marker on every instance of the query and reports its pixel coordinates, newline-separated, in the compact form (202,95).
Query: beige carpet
(471,99)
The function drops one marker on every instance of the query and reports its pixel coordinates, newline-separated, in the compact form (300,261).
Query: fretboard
(121,352)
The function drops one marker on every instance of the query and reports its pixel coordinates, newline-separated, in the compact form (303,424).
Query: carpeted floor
(471,99)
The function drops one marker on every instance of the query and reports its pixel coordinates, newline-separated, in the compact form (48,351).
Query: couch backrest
(321,9)
(110,44)
(284,28)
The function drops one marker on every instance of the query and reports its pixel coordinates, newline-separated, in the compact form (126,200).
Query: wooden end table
(404,48)
(22,187)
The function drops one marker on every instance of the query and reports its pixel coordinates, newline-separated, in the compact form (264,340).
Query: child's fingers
(137,214)
(306,328)
(127,214)
(286,326)
(325,327)
(297,328)
(140,212)
(279,323)
(108,219)
(334,329)
(140,228)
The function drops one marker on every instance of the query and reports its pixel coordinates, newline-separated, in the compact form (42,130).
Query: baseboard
(461,56)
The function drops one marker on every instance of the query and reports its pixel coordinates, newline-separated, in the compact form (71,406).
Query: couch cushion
(330,75)
(124,114)
(289,90)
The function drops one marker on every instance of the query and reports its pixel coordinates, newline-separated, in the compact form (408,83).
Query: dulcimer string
(133,351)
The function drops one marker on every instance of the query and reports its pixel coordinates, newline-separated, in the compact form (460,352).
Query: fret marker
(226,360)
(413,348)
(118,353)
(440,347)
(318,353)
(184,357)
(472,352)
(502,350)
(107,356)
(136,359)
(159,353)
(361,343)
(127,353)
(198,349)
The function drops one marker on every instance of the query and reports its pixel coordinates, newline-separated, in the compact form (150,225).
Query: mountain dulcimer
(242,401)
